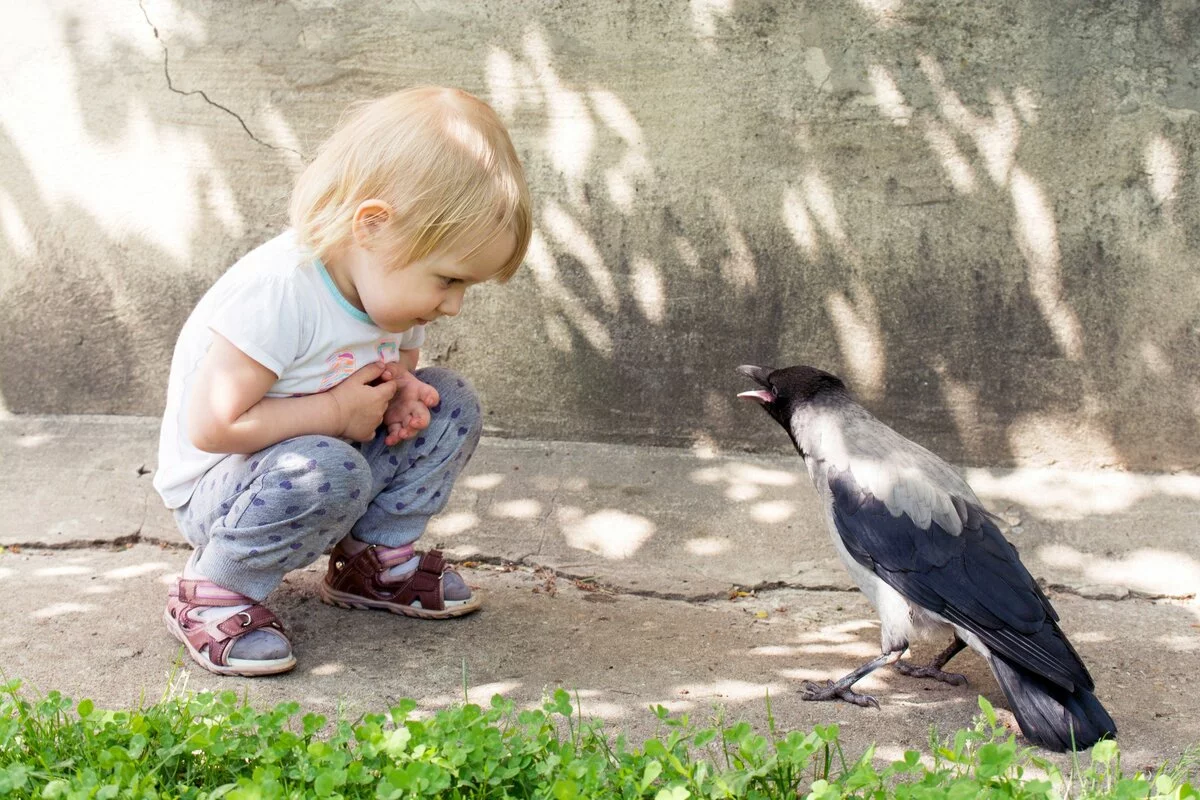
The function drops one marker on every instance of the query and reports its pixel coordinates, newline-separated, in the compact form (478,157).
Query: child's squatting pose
(296,419)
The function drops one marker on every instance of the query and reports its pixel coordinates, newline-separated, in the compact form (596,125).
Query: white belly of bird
(900,622)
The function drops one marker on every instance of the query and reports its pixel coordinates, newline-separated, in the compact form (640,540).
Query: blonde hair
(439,157)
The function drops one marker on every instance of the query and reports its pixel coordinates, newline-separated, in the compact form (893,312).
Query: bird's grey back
(907,478)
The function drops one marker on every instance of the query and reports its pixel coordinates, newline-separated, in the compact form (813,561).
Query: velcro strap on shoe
(391,556)
(251,619)
(433,563)
(206,593)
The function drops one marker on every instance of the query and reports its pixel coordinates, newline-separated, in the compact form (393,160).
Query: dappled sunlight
(875,681)
(888,97)
(484,691)
(16,231)
(517,509)
(705,547)
(634,165)
(482,483)
(63,609)
(739,472)
(1091,637)
(840,632)
(856,648)
(1161,163)
(733,690)
(772,512)
(818,197)
(648,289)
(1154,359)
(576,242)
(705,15)
(738,268)
(609,533)
(799,223)
(480,694)
(570,132)
(810,211)
(741,492)
(943,145)
(1047,439)
(1153,572)
(882,12)
(995,138)
(543,265)
(32,440)
(1073,494)
(592,706)
(452,523)
(860,338)
(138,570)
(962,401)
(1037,239)
(743,482)
(5,572)
(1180,644)
(153,182)
(327,669)
(65,570)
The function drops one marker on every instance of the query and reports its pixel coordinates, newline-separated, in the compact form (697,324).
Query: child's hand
(408,412)
(361,406)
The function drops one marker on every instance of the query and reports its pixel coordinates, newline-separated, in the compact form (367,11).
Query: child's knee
(459,400)
(327,469)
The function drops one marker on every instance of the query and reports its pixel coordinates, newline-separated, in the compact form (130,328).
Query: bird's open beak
(759,375)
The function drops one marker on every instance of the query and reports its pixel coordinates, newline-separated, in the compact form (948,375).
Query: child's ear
(370,218)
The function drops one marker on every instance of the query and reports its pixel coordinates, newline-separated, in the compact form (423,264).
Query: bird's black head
(783,390)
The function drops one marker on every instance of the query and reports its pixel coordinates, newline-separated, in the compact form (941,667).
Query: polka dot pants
(254,518)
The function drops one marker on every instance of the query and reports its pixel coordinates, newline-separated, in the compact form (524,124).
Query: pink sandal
(209,642)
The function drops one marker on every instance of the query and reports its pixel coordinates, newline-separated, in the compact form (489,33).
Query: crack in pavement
(527,562)
(207,99)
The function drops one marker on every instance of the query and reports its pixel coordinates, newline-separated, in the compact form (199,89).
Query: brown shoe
(362,581)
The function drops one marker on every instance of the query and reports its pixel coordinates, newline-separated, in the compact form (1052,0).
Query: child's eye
(449,281)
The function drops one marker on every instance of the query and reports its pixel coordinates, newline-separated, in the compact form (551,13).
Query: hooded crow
(930,559)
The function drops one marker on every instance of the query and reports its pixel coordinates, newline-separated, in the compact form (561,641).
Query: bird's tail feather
(1047,713)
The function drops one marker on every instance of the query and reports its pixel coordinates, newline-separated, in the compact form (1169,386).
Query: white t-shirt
(279,306)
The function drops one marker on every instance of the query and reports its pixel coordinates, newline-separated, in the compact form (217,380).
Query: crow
(930,559)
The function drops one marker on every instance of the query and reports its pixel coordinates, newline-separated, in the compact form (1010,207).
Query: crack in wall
(207,99)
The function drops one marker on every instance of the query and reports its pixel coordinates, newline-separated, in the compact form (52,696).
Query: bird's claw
(832,691)
(914,671)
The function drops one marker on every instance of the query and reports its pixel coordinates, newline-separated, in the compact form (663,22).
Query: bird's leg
(934,668)
(840,689)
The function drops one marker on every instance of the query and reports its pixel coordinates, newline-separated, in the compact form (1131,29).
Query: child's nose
(452,303)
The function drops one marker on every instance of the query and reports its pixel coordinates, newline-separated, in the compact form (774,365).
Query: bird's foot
(836,691)
(915,671)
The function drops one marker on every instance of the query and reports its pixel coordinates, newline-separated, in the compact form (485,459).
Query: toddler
(296,419)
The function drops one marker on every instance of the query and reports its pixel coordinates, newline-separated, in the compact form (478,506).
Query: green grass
(215,745)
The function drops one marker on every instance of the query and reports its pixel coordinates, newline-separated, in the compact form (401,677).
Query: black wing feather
(974,579)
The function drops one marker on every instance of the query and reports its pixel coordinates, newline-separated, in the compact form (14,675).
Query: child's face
(398,298)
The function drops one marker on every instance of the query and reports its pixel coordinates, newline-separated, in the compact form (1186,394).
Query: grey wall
(982,215)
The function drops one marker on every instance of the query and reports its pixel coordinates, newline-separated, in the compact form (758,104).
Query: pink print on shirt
(341,366)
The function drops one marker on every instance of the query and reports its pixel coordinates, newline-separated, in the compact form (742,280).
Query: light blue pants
(254,518)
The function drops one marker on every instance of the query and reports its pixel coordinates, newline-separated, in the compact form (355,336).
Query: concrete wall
(982,215)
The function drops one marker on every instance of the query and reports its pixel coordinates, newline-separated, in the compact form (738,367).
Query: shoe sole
(246,670)
(333,597)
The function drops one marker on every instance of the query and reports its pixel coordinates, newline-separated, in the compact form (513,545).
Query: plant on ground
(206,746)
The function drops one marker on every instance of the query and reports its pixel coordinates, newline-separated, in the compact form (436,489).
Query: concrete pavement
(630,575)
